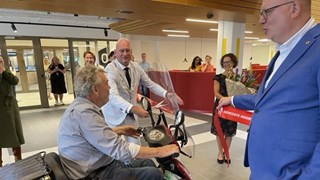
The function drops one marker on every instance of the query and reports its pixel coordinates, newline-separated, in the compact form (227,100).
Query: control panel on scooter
(157,136)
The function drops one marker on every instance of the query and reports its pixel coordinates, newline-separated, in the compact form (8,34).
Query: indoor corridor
(40,131)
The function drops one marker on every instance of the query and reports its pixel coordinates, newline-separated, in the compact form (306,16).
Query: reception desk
(194,88)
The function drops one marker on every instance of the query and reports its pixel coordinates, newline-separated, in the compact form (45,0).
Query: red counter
(194,88)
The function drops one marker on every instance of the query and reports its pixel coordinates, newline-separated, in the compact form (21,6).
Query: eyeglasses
(124,50)
(265,12)
(226,62)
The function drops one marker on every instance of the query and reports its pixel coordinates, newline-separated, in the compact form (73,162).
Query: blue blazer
(283,142)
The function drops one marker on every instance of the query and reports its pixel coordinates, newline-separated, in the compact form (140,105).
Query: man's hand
(174,97)
(139,111)
(127,131)
(224,101)
(168,150)
(1,66)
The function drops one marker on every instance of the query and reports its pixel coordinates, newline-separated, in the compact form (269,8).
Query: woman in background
(196,64)
(11,134)
(58,86)
(229,128)
(207,66)
(46,65)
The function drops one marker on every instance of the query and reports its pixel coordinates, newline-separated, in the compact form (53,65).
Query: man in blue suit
(284,136)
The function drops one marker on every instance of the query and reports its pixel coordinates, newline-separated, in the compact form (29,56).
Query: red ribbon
(232,114)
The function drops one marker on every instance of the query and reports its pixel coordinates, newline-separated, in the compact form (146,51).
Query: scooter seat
(53,162)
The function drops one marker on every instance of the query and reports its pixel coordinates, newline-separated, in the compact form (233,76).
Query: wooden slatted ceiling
(151,16)
(315,10)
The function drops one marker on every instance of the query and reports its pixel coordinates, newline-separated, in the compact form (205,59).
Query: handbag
(32,167)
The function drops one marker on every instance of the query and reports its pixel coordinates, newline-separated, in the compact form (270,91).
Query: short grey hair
(85,78)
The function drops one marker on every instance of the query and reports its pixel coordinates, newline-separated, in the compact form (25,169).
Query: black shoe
(220,161)
(227,161)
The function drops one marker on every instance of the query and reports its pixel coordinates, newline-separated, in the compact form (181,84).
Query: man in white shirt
(124,78)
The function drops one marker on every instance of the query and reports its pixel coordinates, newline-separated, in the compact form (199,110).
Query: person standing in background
(124,77)
(284,136)
(11,133)
(229,128)
(90,59)
(46,65)
(207,66)
(196,64)
(58,85)
(146,66)
(111,57)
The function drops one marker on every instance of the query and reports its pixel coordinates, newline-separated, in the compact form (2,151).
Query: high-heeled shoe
(227,161)
(220,161)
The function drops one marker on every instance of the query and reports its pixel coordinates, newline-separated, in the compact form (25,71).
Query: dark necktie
(271,65)
(128,76)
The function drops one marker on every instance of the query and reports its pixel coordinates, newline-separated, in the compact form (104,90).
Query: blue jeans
(138,169)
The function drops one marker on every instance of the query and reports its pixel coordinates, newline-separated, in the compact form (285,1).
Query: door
(57,48)
(22,57)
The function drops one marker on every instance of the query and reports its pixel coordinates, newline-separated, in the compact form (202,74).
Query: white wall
(260,54)
(172,51)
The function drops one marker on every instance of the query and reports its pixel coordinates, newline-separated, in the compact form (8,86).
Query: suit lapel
(290,60)
(121,73)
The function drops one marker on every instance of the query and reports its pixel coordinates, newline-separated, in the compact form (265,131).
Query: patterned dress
(229,128)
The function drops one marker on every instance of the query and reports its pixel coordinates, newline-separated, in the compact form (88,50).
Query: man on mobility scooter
(90,149)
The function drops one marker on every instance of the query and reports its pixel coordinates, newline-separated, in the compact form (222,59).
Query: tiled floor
(40,128)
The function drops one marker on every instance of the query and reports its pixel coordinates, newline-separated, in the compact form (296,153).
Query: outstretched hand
(224,101)
(139,111)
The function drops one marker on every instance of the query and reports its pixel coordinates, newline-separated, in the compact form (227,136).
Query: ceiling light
(251,38)
(174,31)
(263,40)
(247,32)
(13,27)
(177,35)
(201,20)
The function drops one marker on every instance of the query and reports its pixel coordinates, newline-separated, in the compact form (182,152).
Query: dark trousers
(144,90)
(138,169)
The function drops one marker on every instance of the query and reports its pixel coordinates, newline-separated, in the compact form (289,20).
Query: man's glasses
(265,12)
(124,50)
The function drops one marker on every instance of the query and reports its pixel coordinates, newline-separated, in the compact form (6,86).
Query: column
(230,40)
